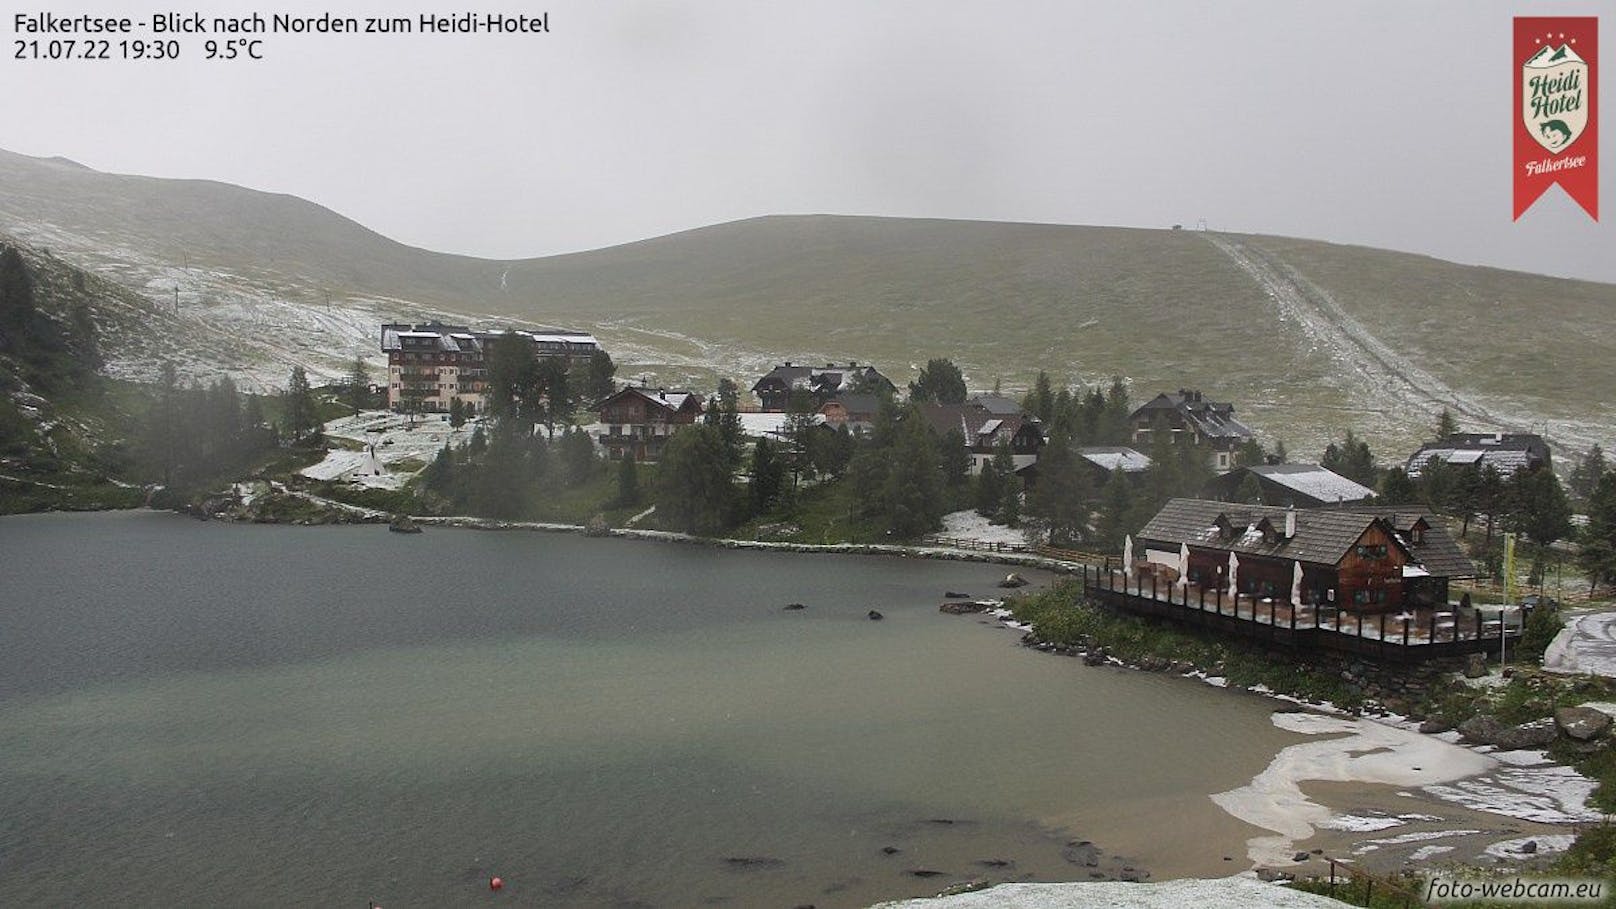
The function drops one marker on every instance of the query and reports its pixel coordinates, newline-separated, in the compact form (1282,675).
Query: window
(1372,552)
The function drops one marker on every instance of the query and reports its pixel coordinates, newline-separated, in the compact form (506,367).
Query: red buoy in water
(496,883)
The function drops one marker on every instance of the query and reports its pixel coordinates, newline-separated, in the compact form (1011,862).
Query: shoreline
(1372,762)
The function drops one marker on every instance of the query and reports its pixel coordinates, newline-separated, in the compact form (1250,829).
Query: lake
(199,713)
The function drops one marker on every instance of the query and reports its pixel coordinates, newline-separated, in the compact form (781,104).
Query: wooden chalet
(984,430)
(1358,559)
(850,410)
(637,422)
(1187,413)
(1294,485)
(820,384)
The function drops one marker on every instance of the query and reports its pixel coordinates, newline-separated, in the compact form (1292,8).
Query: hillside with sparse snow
(1307,338)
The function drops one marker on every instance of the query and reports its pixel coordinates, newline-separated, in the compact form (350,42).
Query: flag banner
(1556,116)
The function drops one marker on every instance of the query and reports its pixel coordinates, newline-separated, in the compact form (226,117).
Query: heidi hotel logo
(1556,114)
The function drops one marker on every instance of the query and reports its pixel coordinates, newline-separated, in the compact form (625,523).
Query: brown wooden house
(637,422)
(1372,559)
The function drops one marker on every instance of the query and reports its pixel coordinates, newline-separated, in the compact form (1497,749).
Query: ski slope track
(1378,377)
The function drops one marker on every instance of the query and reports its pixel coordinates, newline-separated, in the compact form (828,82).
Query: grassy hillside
(1307,338)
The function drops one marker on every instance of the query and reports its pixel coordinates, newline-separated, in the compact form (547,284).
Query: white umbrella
(1127,556)
(1234,577)
(1296,586)
(1183,565)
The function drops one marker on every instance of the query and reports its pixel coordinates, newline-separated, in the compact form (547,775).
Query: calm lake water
(207,714)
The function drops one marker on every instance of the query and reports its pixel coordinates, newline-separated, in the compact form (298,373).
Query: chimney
(788,364)
(1290,522)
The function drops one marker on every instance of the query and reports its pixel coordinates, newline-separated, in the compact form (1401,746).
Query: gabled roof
(828,379)
(1314,481)
(980,426)
(856,403)
(1212,419)
(1505,461)
(672,401)
(1503,451)
(1110,457)
(998,405)
(1323,535)
(1439,552)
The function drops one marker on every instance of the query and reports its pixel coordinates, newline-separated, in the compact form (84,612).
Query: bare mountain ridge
(1308,338)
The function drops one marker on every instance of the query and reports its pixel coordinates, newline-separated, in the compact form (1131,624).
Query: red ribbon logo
(1556,110)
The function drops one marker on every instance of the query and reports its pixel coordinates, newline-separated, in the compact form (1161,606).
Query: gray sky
(1380,123)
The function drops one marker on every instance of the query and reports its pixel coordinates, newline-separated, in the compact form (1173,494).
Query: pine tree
(1250,490)
(1585,477)
(767,476)
(1598,555)
(1114,426)
(439,475)
(695,493)
(628,483)
(955,459)
(578,455)
(1043,398)
(1114,521)
(1446,425)
(598,384)
(914,483)
(556,401)
(299,406)
(457,413)
(1004,464)
(1396,488)
(941,381)
(1064,497)
(989,490)
(1281,456)
(356,386)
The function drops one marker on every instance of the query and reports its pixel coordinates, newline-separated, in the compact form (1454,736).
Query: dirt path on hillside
(1377,375)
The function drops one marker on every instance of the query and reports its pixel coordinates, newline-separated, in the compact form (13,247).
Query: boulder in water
(403,523)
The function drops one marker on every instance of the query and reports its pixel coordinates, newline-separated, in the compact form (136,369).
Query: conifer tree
(1114,521)
(301,421)
(356,386)
(1250,490)
(628,482)
(1446,425)
(1598,555)
(1585,477)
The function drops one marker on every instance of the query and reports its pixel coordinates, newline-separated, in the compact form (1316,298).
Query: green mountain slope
(1307,338)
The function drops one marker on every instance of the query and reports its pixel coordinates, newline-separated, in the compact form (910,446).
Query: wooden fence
(1407,637)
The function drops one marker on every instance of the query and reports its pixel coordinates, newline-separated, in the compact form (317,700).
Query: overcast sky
(1380,123)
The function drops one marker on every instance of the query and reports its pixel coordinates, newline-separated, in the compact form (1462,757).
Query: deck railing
(1418,634)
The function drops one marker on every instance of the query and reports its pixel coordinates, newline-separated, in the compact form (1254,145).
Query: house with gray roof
(1105,460)
(1188,414)
(1297,485)
(1503,451)
(1361,559)
(775,388)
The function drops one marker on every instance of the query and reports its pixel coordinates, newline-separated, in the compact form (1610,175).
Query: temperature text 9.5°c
(233,48)
(95,49)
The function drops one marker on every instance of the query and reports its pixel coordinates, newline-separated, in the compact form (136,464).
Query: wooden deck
(1414,635)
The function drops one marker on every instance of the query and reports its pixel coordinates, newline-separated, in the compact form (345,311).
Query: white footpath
(1587,643)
